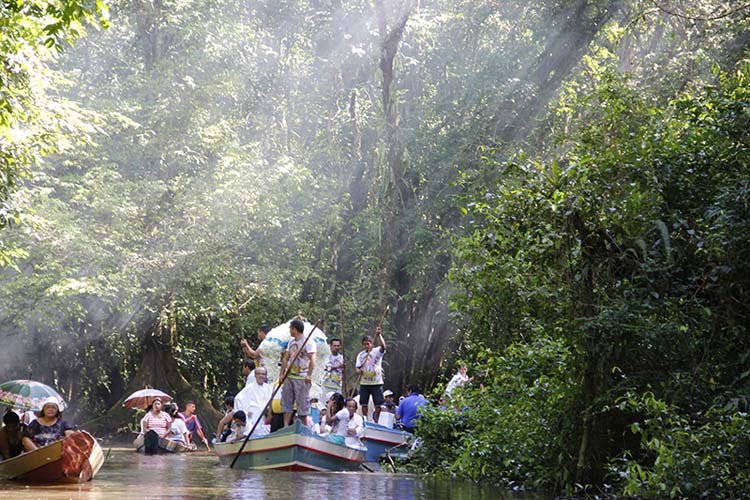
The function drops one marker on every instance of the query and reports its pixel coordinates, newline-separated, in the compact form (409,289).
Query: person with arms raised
(370,368)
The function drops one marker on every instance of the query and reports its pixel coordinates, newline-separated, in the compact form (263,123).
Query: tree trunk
(158,369)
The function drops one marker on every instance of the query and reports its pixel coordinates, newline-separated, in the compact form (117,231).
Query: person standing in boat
(296,388)
(370,368)
(256,354)
(11,444)
(47,428)
(193,424)
(460,379)
(334,368)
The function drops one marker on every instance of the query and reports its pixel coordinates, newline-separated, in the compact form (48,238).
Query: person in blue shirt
(407,411)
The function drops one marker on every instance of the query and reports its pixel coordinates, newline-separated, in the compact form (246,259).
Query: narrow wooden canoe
(75,459)
(293,448)
(380,439)
(165,445)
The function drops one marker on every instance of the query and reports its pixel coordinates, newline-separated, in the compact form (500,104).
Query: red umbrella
(144,397)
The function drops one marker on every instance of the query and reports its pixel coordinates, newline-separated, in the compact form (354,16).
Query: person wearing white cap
(389,406)
(47,428)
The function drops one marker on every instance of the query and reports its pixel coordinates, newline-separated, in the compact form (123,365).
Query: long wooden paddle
(343,352)
(270,401)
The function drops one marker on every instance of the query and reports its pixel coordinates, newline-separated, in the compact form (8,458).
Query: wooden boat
(165,445)
(380,439)
(293,448)
(75,459)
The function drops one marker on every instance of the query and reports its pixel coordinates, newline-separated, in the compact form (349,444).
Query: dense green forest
(556,193)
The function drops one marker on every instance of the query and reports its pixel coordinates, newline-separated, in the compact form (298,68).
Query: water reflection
(128,475)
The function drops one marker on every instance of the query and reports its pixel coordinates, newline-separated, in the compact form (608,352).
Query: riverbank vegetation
(556,193)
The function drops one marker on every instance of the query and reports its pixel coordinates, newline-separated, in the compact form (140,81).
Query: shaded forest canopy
(555,192)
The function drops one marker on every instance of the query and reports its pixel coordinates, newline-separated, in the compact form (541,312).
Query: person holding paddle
(370,369)
(256,354)
(296,388)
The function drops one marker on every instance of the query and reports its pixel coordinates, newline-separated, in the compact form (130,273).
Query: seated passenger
(408,410)
(348,424)
(390,405)
(253,399)
(226,424)
(10,436)
(154,425)
(193,424)
(47,428)
(241,424)
(320,428)
(178,431)
(155,419)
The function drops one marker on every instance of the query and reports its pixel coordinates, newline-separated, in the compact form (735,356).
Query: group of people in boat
(167,422)
(339,418)
(31,430)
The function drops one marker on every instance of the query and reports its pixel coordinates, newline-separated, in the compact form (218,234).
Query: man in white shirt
(252,400)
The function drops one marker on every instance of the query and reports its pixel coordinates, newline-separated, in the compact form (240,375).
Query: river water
(129,475)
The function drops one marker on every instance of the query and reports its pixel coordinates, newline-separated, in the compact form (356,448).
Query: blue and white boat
(381,440)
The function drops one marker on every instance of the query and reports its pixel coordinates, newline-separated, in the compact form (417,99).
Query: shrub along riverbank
(605,295)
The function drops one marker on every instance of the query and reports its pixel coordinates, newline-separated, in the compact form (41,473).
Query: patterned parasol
(144,397)
(28,395)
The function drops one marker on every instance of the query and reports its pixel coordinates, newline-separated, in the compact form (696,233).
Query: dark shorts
(376,391)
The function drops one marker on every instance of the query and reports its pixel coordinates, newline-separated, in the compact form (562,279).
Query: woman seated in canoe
(154,425)
(47,428)
(178,431)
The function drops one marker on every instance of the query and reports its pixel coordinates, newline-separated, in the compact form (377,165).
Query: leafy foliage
(508,427)
(608,248)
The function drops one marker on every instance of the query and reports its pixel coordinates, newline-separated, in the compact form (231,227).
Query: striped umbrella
(28,395)
(144,397)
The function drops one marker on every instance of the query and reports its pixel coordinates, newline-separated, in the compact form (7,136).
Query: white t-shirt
(372,366)
(177,431)
(334,376)
(345,423)
(458,380)
(241,432)
(302,363)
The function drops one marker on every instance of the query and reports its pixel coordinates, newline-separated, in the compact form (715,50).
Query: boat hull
(294,448)
(380,440)
(165,445)
(75,459)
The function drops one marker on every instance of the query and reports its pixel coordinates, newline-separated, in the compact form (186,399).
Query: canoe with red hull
(75,459)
